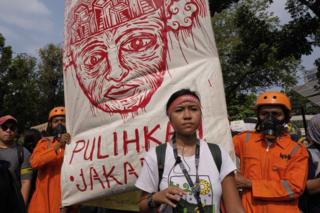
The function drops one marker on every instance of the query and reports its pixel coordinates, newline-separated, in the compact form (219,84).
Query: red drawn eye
(94,58)
(140,43)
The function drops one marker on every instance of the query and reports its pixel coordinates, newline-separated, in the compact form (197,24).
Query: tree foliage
(243,105)
(304,27)
(21,94)
(5,60)
(216,6)
(251,53)
(30,88)
(50,80)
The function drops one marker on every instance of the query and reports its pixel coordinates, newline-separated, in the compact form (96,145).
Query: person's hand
(170,196)
(242,182)
(64,139)
(63,210)
(69,209)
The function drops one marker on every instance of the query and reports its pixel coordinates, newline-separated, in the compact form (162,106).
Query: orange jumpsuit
(278,172)
(47,196)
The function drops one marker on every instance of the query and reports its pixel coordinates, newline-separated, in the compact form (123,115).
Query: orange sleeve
(292,182)
(43,155)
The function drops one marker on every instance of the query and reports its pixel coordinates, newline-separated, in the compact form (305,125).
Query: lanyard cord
(195,187)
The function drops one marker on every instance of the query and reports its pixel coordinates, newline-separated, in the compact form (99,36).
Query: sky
(278,8)
(29,25)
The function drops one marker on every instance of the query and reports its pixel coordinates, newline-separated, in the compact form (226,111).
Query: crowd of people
(275,172)
(36,176)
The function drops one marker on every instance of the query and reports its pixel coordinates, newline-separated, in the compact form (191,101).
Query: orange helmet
(57,111)
(274,98)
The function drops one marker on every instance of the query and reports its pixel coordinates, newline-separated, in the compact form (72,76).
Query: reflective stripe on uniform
(247,137)
(25,171)
(287,187)
(295,149)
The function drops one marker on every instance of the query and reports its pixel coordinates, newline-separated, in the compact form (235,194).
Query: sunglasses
(6,127)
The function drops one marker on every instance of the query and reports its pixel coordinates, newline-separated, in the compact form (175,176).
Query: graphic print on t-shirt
(188,202)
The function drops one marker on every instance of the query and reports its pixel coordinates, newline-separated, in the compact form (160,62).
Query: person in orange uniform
(47,158)
(273,168)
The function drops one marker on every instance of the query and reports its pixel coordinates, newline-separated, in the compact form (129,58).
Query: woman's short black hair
(179,93)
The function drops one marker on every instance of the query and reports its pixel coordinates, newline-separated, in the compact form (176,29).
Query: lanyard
(195,187)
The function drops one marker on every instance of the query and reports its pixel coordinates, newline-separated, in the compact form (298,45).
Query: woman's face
(186,118)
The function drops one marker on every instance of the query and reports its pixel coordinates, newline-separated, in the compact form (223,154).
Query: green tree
(304,28)
(216,6)
(50,79)
(303,31)
(247,37)
(242,106)
(5,61)
(28,90)
(21,93)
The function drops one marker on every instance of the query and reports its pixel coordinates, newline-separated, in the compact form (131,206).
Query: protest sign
(122,61)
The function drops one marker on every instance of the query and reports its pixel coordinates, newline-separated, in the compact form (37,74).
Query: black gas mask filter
(58,130)
(271,127)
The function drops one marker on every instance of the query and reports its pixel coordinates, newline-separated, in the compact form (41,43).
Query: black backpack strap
(161,156)
(216,154)
(20,154)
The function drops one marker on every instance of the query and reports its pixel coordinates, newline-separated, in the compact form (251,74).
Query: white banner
(122,61)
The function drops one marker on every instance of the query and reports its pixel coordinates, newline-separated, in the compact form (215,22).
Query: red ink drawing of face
(118,48)
(120,69)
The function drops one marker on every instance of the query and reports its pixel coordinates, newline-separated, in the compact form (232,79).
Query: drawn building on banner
(101,15)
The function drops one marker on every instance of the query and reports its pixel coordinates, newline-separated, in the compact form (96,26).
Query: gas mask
(271,127)
(58,130)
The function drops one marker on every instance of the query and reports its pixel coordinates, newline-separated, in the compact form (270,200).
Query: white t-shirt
(210,178)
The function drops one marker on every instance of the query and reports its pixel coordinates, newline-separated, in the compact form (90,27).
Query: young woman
(191,181)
